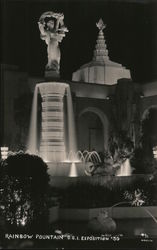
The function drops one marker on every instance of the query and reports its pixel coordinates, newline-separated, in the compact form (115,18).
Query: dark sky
(131,34)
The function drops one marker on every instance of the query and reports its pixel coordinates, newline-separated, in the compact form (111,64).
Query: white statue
(52,30)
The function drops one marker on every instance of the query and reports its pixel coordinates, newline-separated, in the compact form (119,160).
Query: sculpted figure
(102,223)
(52,31)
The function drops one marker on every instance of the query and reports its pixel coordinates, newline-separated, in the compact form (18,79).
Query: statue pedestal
(51,75)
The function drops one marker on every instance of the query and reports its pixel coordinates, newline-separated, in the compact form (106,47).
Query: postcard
(78,127)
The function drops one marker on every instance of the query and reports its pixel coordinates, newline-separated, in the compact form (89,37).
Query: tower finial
(101,25)
(100,52)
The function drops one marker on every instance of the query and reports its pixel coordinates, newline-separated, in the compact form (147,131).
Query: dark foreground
(130,234)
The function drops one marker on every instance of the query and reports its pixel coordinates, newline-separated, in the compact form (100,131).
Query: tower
(101,69)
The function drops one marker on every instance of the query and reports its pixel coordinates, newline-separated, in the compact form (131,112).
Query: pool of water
(127,227)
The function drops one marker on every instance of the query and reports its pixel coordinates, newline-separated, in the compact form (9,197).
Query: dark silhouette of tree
(24,186)
(143,159)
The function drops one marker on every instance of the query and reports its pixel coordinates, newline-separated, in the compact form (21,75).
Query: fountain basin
(133,221)
(73,214)
(64,168)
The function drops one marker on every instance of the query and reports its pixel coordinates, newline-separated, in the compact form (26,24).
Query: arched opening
(149,126)
(92,130)
(144,156)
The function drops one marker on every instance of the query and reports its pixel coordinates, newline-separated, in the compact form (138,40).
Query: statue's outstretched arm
(59,21)
(43,34)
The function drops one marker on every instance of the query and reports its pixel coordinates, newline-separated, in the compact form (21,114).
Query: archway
(92,130)
(149,125)
(146,111)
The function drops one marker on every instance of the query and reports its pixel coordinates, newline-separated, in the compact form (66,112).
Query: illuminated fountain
(85,156)
(52,143)
(52,146)
(57,143)
(125,169)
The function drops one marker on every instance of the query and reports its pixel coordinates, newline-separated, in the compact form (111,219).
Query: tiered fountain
(55,140)
(52,144)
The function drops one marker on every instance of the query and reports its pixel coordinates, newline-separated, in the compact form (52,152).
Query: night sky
(131,34)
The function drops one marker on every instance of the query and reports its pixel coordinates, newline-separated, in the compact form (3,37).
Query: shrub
(24,191)
(97,193)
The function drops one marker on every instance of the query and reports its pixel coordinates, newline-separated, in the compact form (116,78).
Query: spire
(100,53)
